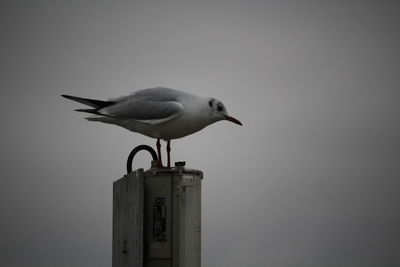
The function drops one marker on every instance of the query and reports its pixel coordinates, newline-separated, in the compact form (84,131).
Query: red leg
(168,153)
(158,144)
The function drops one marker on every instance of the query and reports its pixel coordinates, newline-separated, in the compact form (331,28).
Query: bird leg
(158,144)
(168,153)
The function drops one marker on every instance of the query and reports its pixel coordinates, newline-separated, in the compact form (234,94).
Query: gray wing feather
(148,104)
(149,110)
(156,94)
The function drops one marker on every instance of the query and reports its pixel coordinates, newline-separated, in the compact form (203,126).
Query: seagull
(160,113)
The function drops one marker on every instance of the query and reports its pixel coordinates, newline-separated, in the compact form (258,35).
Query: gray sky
(311,179)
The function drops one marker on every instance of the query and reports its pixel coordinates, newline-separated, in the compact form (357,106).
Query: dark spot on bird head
(220,107)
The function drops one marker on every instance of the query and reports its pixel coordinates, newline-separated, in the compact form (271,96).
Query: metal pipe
(135,151)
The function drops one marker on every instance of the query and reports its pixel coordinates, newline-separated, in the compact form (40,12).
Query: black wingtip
(90,102)
(92,111)
(67,96)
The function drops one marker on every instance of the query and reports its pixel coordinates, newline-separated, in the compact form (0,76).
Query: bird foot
(161,166)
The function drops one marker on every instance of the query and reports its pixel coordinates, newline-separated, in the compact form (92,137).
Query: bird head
(218,111)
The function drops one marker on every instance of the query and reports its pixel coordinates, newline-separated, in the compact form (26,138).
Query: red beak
(232,119)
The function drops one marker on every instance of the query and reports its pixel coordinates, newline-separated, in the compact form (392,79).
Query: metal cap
(180,164)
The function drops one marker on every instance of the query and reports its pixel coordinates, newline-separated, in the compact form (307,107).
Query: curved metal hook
(135,151)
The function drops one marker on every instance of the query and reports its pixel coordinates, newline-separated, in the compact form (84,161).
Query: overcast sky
(311,179)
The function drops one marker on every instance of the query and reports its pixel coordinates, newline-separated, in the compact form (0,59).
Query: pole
(157,217)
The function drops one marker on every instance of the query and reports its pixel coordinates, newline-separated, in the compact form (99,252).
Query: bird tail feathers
(94,103)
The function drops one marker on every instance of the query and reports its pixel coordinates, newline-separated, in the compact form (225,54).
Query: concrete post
(157,218)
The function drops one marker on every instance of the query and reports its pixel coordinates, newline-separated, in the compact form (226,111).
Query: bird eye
(220,108)
(210,103)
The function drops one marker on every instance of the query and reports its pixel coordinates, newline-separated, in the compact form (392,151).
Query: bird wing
(154,106)
(156,94)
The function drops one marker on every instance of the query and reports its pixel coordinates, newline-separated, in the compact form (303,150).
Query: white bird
(160,113)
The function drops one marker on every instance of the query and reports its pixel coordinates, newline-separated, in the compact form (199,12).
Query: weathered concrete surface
(128,202)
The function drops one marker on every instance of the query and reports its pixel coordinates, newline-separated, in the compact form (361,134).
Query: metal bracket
(135,151)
